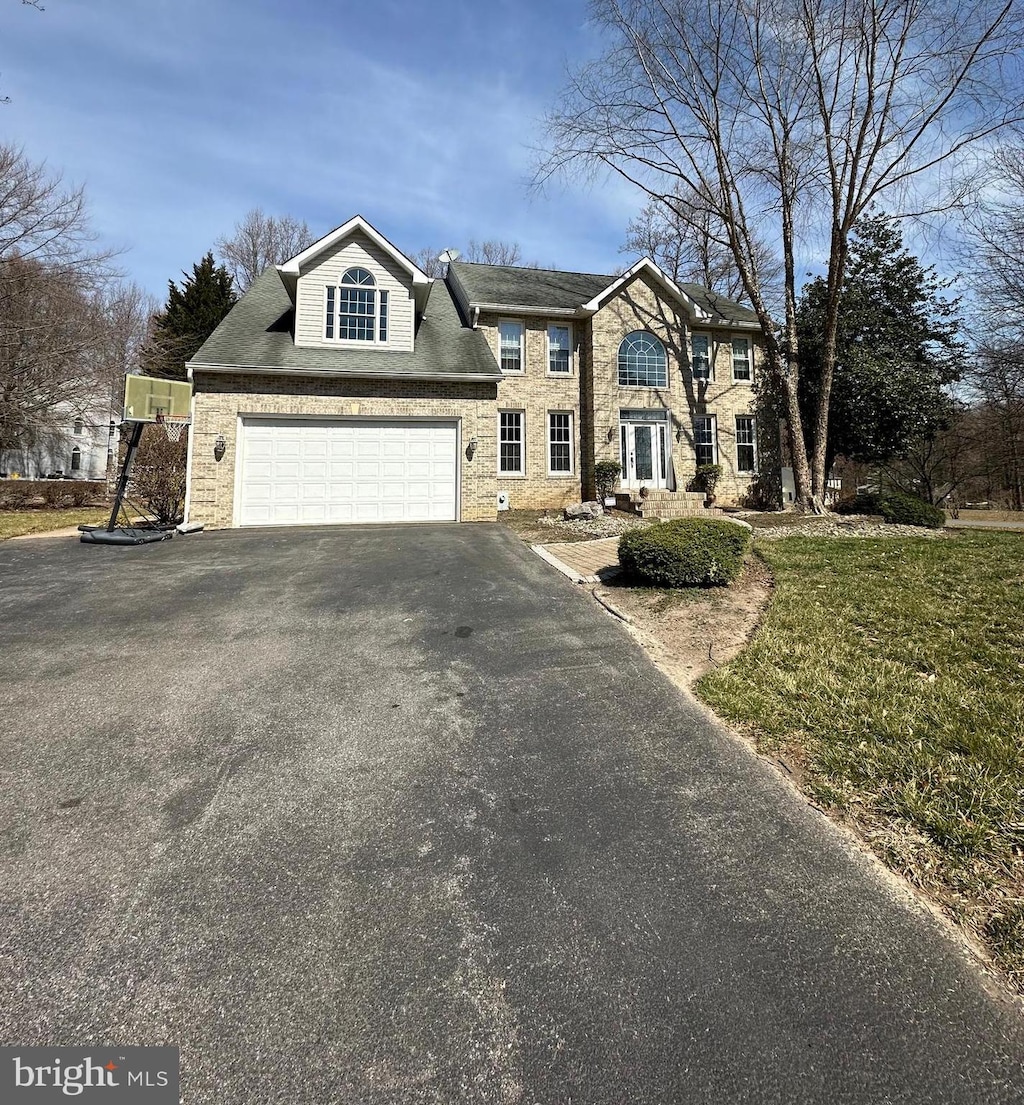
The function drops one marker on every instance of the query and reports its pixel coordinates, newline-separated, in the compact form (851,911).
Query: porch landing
(663,504)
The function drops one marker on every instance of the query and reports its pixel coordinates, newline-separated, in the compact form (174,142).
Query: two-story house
(347,386)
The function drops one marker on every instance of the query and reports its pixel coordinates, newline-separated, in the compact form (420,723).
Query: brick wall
(536,392)
(642,306)
(221,399)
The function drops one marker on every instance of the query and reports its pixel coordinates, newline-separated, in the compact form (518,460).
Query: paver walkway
(591,561)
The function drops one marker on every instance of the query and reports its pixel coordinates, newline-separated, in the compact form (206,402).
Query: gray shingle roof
(259,333)
(518,287)
(512,286)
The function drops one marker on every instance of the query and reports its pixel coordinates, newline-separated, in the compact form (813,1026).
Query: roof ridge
(535,268)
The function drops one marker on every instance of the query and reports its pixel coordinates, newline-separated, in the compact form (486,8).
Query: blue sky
(180,115)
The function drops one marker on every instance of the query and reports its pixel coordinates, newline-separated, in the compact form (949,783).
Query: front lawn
(17,523)
(891,673)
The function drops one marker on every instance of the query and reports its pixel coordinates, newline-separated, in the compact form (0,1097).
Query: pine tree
(190,316)
(897,348)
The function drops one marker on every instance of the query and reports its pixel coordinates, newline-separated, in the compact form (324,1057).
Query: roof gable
(645,266)
(293,266)
(512,288)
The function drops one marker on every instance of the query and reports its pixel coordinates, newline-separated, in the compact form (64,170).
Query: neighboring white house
(82,446)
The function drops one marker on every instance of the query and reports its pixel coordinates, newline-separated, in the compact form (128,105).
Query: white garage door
(296,472)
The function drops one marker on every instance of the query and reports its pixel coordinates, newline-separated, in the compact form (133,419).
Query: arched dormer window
(357,310)
(642,361)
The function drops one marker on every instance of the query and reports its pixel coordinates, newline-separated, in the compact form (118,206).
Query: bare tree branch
(259,242)
(789,119)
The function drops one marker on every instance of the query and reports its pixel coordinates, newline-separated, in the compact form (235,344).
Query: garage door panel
(301,471)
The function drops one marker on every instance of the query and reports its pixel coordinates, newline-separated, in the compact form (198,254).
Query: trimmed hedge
(22,494)
(894,507)
(905,510)
(686,552)
(867,502)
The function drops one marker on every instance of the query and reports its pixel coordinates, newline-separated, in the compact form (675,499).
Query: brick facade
(537,393)
(593,394)
(590,393)
(221,399)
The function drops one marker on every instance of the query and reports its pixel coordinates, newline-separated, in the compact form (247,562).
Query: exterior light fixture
(220,447)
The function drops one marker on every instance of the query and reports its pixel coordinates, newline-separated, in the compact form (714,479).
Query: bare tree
(493,251)
(791,118)
(260,241)
(428,261)
(490,252)
(53,287)
(48,340)
(43,219)
(683,237)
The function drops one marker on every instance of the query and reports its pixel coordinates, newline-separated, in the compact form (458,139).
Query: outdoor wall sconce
(471,448)
(611,433)
(220,447)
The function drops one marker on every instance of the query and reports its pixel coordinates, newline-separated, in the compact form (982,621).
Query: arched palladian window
(357,310)
(642,361)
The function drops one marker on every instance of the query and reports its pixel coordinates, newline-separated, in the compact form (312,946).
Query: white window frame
(571,470)
(646,387)
(753,442)
(521,472)
(713,419)
(567,326)
(522,345)
(709,338)
(749,378)
(378,300)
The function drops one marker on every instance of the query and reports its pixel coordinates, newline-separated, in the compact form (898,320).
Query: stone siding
(221,399)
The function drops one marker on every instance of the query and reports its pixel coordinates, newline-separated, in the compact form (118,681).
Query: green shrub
(687,552)
(867,502)
(894,507)
(906,510)
(606,472)
(706,478)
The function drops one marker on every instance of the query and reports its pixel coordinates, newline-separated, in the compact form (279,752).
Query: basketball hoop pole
(126,468)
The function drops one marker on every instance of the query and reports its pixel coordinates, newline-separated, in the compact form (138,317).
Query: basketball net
(173,430)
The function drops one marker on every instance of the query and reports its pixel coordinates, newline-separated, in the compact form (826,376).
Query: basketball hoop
(171,427)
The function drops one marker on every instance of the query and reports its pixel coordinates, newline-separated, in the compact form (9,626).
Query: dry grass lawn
(892,672)
(18,523)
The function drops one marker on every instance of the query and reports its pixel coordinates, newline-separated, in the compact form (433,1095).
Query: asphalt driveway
(400,815)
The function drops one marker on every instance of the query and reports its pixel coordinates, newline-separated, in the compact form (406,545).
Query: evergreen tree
(190,316)
(897,348)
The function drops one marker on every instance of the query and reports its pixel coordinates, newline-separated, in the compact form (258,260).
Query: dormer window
(357,310)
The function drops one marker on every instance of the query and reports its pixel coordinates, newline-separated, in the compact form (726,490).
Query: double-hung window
(357,310)
(559,350)
(510,341)
(511,442)
(741,359)
(746,444)
(700,344)
(560,443)
(705,442)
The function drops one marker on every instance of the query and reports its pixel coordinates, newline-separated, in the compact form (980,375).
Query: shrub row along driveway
(399,815)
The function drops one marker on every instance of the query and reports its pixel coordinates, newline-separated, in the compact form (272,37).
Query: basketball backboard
(149,399)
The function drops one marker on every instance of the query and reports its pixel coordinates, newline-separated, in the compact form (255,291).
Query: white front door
(644,447)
